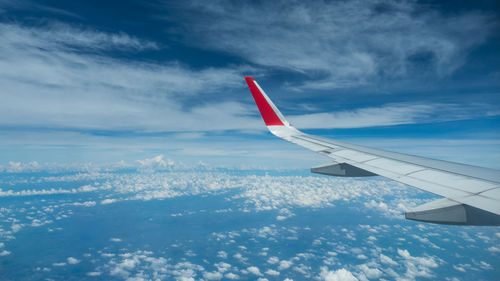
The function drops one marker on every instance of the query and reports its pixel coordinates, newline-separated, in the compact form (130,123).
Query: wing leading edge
(472,194)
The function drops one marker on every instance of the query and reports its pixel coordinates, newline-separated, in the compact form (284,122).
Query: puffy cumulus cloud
(51,66)
(339,44)
(370,272)
(380,206)
(387,260)
(417,266)
(231,276)
(254,270)
(272,272)
(223,267)
(336,275)
(285,264)
(4,253)
(273,260)
(108,201)
(212,275)
(222,254)
(144,265)
(72,260)
(156,162)
(494,249)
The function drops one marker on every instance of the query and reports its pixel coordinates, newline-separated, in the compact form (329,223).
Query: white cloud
(337,275)
(272,272)
(387,260)
(156,161)
(494,249)
(108,201)
(254,270)
(72,260)
(231,276)
(459,268)
(212,275)
(86,203)
(425,261)
(222,254)
(285,264)
(223,267)
(485,265)
(273,260)
(33,192)
(417,266)
(4,253)
(18,167)
(361,257)
(240,257)
(370,272)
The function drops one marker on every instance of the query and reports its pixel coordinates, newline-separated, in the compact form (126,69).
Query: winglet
(270,113)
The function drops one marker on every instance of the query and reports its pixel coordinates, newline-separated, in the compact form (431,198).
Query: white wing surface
(471,194)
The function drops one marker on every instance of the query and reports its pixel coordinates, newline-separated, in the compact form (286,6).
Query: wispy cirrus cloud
(339,43)
(49,79)
(57,36)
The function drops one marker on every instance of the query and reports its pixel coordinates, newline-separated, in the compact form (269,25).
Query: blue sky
(93,81)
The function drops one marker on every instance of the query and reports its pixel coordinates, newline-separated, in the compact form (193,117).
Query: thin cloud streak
(389,115)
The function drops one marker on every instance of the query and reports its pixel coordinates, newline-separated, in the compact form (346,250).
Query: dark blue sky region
(104,81)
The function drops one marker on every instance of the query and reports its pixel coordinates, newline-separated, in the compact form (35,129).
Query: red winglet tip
(270,117)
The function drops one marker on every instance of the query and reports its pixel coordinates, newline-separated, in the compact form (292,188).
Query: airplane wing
(471,194)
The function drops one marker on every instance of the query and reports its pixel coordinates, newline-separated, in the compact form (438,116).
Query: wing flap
(446,211)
